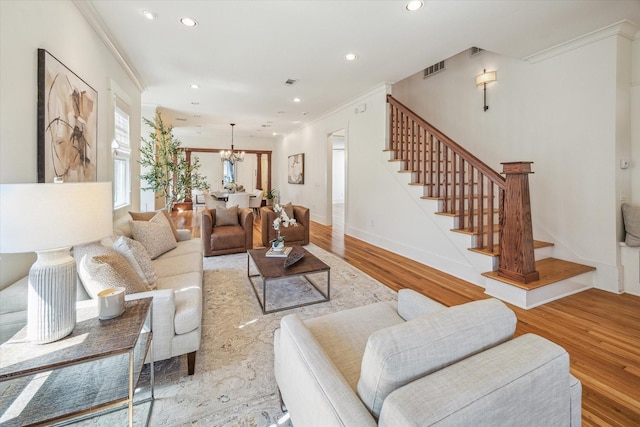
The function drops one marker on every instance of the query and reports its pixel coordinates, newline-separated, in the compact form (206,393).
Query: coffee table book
(279,254)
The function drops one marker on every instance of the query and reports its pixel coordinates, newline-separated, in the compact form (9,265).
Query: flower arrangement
(281,219)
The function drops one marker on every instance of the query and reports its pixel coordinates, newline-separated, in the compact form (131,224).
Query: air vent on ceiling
(476,50)
(291,82)
(181,119)
(435,68)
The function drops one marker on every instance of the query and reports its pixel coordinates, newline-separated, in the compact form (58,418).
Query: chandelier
(230,155)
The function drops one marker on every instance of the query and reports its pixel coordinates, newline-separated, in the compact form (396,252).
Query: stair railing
(468,189)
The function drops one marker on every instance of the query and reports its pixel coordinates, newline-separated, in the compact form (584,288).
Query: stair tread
(537,244)
(551,270)
(465,213)
(474,230)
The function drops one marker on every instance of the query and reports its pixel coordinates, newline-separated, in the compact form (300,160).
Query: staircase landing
(558,279)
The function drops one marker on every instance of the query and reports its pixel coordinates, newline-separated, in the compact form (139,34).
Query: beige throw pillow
(155,235)
(227,216)
(631,216)
(288,209)
(146,216)
(101,268)
(139,259)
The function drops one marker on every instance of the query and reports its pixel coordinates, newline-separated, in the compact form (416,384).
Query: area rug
(234,383)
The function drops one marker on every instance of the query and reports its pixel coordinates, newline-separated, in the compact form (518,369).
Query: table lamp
(48,219)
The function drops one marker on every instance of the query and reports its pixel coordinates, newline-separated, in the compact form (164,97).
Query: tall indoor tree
(165,169)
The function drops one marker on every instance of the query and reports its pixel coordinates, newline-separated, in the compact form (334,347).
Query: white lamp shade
(36,217)
(486,77)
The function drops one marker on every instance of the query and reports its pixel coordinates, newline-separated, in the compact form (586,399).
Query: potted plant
(271,196)
(164,166)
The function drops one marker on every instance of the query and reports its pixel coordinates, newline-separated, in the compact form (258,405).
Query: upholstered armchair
(292,235)
(226,232)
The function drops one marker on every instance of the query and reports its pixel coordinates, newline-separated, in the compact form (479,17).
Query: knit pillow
(227,216)
(631,216)
(139,259)
(155,235)
(146,216)
(101,268)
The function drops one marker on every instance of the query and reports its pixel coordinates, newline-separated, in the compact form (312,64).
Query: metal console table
(93,371)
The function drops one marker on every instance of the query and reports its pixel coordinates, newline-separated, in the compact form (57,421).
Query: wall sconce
(482,80)
(114,147)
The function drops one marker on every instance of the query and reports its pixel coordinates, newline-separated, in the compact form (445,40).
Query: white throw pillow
(139,259)
(155,235)
(102,268)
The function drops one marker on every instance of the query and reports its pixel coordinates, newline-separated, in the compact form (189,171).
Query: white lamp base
(51,313)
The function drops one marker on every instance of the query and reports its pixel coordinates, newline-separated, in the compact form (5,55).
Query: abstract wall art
(67,123)
(295,173)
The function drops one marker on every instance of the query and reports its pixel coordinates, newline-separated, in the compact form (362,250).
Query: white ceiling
(242,52)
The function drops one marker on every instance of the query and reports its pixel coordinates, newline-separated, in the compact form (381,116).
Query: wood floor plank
(600,330)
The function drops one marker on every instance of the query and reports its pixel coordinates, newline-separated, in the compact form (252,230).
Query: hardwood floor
(600,330)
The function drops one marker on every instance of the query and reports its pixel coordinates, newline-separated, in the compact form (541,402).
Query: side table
(92,371)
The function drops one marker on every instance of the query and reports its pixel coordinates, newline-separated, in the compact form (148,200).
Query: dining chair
(256,201)
(240,199)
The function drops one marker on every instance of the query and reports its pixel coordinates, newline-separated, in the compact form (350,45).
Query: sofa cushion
(147,216)
(231,236)
(155,235)
(102,268)
(138,258)
(631,216)
(400,354)
(180,281)
(343,335)
(226,216)
(172,266)
(412,304)
(192,246)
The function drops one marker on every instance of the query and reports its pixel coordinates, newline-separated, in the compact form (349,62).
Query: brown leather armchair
(292,235)
(227,239)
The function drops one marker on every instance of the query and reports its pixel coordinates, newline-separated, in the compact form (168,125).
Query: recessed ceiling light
(189,22)
(149,15)
(351,57)
(296,100)
(194,86)
(414,5)
(296,122)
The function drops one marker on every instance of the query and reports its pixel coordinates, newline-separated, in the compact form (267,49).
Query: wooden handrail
(477,163)
(468,189)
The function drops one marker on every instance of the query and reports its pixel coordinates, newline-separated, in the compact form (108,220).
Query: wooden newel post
(517,261)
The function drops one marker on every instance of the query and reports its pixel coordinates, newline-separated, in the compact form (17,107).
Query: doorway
(337,142)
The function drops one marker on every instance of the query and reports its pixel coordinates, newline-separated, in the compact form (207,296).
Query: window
(121,157)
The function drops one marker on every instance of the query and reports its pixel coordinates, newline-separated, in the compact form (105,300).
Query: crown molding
(93,18)
(623,28)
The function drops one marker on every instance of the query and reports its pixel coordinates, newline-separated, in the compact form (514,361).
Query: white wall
(569,114)
(58,27)
(635,122)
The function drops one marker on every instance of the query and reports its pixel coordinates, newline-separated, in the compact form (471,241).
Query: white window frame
(121,154)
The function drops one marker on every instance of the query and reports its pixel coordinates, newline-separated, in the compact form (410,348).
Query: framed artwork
(67,123)
(296,169)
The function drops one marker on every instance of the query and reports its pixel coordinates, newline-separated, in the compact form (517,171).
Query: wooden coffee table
(271,269)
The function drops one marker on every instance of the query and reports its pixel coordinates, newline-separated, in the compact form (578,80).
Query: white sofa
(177,301)
(418,363)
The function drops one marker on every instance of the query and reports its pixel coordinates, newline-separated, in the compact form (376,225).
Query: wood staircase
(493,210)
